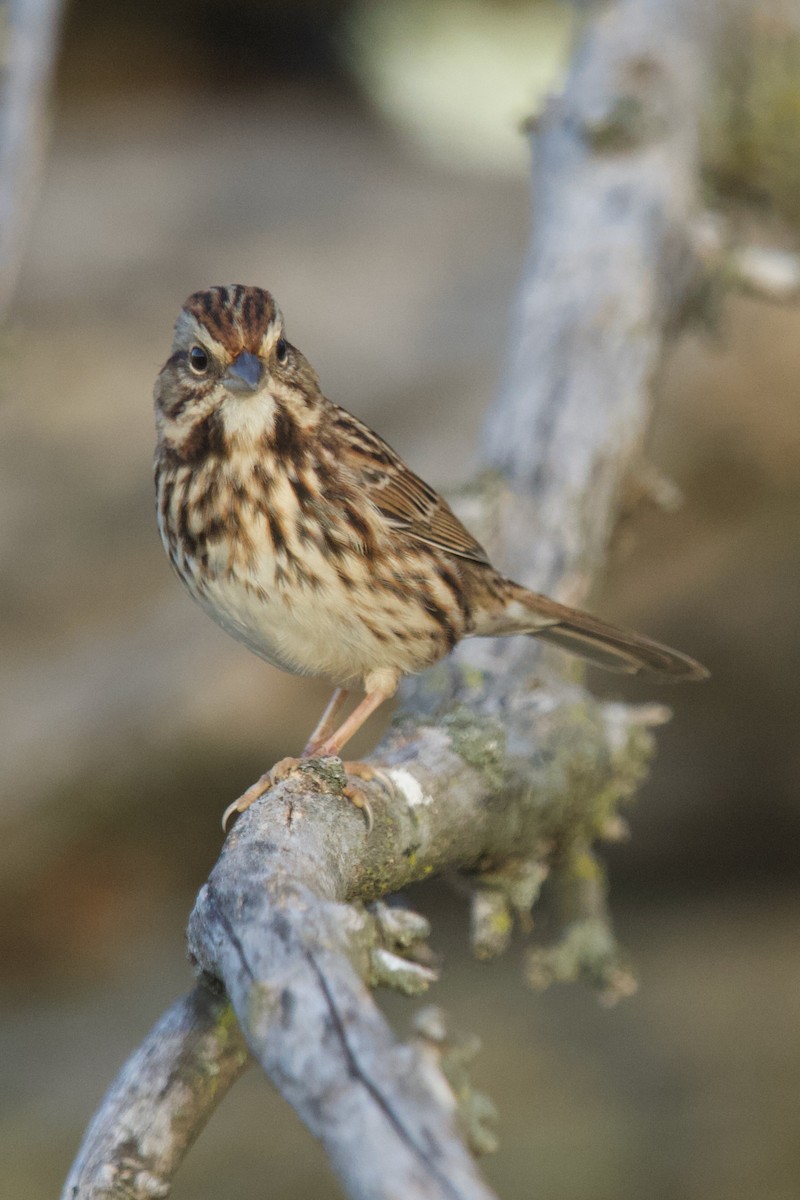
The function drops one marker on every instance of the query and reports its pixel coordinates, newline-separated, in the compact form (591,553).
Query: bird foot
(354,793)
(276,774)
(286,767)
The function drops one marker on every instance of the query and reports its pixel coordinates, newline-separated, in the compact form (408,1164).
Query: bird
(306,537)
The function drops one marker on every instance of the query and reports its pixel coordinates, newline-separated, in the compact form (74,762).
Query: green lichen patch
(491,923)
(262,1001)
(588,773)
(588,951)
(329,773)
(574,769)
(627,124)
(481,743)
(226,1025)
(476,1113)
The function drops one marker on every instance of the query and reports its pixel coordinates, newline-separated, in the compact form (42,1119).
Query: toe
(360,770)
(360,801)
(282,770)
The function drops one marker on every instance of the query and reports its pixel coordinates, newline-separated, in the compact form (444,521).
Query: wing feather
(406,501)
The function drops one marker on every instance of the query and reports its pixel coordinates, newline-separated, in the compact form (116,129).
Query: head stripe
(237,317)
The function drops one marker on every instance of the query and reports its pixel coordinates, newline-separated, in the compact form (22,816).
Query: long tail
(585,635)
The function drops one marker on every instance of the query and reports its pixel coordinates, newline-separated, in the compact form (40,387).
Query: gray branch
(609,268)
(161,1100)
(486,770)
(28,42)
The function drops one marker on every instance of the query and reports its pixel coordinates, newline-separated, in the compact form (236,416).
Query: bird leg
(326,724)
(283,769)
(323,744)
(351,725)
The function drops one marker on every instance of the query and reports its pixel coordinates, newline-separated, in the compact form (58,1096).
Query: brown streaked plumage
(305,536)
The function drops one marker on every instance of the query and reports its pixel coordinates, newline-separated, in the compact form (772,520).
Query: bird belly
(317,626)
(338,614)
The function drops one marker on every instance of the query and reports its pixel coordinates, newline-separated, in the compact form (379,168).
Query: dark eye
(281,350)
(198,360)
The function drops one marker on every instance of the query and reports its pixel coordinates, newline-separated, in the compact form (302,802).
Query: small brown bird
(305,536)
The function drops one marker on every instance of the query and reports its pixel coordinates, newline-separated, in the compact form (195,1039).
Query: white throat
(246,418)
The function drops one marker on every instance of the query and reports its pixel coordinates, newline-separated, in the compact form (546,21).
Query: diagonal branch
(161,1100)
(486,770)
(273,924)
(609,268)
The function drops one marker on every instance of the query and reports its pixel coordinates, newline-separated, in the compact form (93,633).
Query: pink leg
(327,723)
(351,726)
(332,744)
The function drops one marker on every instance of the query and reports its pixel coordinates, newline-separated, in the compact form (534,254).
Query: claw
(287,766)
(282,770)
(369,775)
(357,797)
(229,811)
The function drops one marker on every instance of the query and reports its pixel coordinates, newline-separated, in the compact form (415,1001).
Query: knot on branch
(588,951)
(587,948)
(389,947)
(499,898)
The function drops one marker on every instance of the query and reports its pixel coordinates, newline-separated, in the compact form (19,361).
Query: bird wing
(406,501)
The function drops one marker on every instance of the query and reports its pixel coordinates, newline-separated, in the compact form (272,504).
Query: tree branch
(161,1100)
(609,268)
(486,770)
(28,42)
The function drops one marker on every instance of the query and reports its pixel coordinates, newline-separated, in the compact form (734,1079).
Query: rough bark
(610,264)
(486,770)
(161,1100)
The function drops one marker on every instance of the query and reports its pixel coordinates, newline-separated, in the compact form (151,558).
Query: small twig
(766,272)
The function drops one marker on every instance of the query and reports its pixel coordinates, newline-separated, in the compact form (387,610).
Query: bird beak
(245,373)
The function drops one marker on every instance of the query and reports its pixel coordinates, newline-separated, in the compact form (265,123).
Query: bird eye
(198,360)
(281,350)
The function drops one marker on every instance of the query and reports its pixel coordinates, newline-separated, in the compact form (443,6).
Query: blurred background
(366,163)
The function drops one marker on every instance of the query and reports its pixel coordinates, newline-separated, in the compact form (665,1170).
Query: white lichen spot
(409,787)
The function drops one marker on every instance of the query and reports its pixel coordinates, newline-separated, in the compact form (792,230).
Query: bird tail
(582,634)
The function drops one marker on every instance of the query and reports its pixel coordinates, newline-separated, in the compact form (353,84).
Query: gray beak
(245,373)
